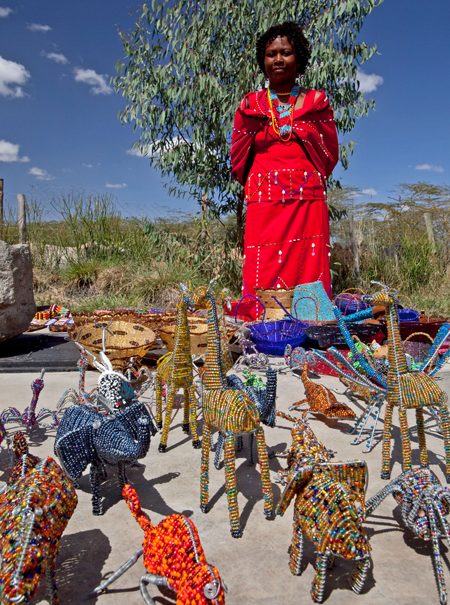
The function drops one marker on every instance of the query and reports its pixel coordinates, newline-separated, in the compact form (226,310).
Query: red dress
(287,232)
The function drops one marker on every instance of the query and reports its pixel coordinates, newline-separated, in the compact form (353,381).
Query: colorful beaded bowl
(271,337)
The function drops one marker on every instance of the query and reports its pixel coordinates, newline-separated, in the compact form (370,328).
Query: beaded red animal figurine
(173,557)
(34,512)
(321,400)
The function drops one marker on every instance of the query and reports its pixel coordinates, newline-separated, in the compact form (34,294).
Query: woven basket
(273,310)
(198,329)
(417,349)
(330,334)
(126,336)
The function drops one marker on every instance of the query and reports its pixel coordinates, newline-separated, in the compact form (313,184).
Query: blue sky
(58,114)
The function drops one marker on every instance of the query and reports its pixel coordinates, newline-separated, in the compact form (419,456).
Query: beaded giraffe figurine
(407,390)
(325,507)
(321,400)
(231,412)
(175,369)
(224,297)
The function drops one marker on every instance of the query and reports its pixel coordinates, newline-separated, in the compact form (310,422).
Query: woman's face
(280,62)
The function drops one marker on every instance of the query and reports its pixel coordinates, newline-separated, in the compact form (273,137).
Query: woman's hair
(294,33)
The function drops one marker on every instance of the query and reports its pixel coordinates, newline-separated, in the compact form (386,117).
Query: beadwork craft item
(87,437)
(231,412)
(175,370)
(424,506)
(34,512)
(251,357)
(173,557)
(407,390)
(296,358)
(311,303)
(321,400)
(24,461)
(325,509)
(282,115)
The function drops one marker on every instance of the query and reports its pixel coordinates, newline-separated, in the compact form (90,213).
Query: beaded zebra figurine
(175,370)
(231,412)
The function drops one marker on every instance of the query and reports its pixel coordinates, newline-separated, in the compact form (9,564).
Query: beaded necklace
(282,118)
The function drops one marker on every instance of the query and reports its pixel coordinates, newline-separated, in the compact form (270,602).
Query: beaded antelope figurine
(175,369)
(324,507)
(173,557)
(407,390)
(231,412)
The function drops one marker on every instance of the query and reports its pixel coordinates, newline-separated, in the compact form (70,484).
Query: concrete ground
(255,567)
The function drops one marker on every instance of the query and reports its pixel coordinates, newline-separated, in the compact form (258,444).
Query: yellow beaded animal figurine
(175,369)
(224,296)
(232,413)
(407,390)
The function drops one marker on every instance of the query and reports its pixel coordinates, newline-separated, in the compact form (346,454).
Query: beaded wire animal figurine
(231,412)
(34,512)
(321,400)
(173,557)
(24,460)
(224,297)
(407,390)
(325,508)
(424,505)
(71,396)
(175,370)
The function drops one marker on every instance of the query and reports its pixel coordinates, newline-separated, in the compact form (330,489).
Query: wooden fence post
(22,218)
(1,207)
(354,247)
(429,226)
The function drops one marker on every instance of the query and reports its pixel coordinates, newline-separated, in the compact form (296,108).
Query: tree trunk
(354,247)
(240,221)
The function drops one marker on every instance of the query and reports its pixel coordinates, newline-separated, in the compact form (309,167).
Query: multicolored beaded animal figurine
(175,370)
(407,390)
(174,558)
(324,509)
(321,400)
(71,396)
(24,460)
(231,412)
(424,507)
(296,358)
(224,297)
(34,512)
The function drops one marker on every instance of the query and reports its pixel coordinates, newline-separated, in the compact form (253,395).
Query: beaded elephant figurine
(325,507)
(175,370)
(34,512)
(425,504)
(233,413)
(321,400)
(173,557)
(407,390)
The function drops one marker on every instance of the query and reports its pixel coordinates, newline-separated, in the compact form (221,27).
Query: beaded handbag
(311,303)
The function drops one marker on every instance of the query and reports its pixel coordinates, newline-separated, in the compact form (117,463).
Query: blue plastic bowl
(408,315)
(271,337)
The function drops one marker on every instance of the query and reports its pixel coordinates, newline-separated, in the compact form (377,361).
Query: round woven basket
(125,337)
(285,296)
(198,329)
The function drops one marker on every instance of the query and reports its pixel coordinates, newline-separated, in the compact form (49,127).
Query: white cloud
(116,186)
(148,152)
(368,82)
(429,167)
(58,57)
(5,11)
(12,77)
(9,152)
(67,170)
(97,81)
(41,175)
(369,191)
(36,27)
(87,165)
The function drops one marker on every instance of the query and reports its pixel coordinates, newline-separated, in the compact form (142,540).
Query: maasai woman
(284,147)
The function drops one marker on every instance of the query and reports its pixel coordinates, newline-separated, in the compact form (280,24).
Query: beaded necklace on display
(282,122)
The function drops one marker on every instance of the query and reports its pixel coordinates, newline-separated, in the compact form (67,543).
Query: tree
(189,63)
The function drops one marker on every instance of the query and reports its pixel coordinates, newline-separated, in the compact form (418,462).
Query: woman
(284,147)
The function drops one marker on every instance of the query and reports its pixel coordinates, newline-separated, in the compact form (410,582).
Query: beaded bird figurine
(231,412)
(175,370)
(174,558)
(325,494)
(34,512)
(424,506)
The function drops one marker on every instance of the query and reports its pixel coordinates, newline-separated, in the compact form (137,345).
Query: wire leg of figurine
(150,578)
(444,420)
(186,406)
(158,397)
(204,475)
(421,437)
(122,569)
(296,553)
(377,408)
(437,561)
(196,443)
(50,582)
(121,474)
(167,418)
(264,470)
(97,508)
(359,574)
(230,486)
(406,443)
(102,474)
(239,443)
(250,459)
(219,448)
(386,464)
(318,584)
